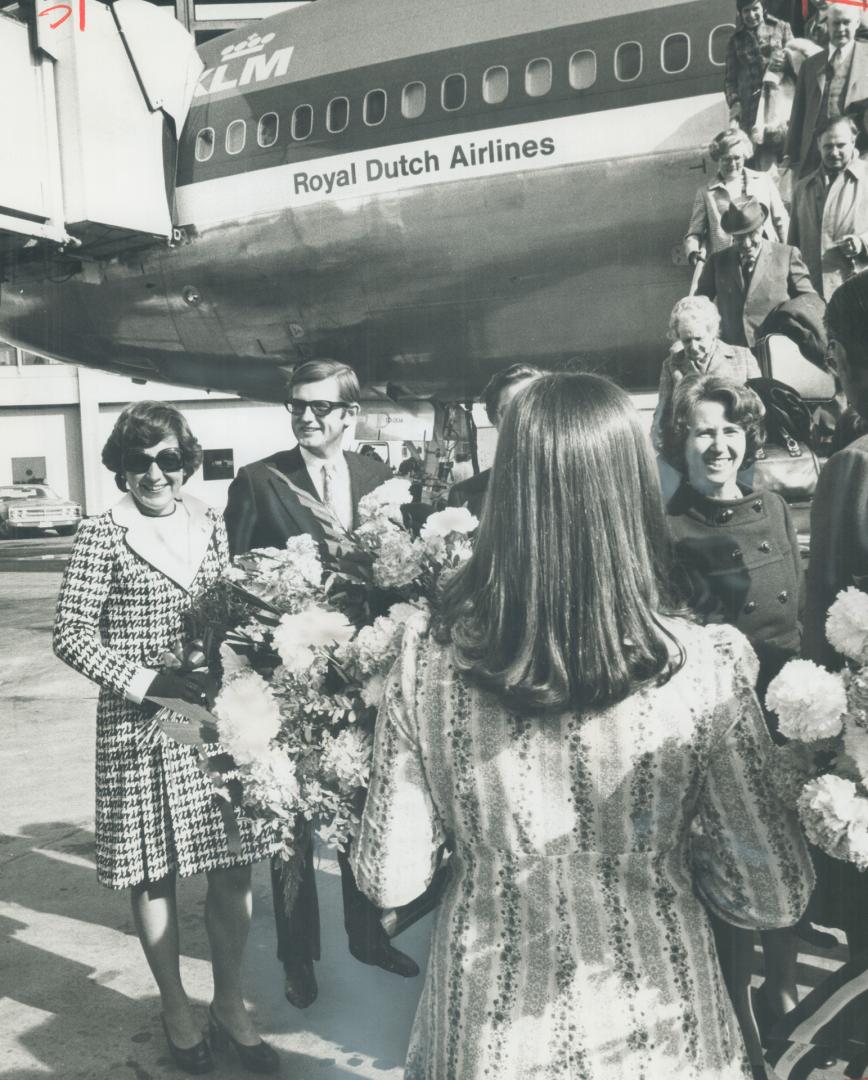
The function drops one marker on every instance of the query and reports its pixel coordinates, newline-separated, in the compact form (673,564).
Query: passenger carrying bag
(787,463)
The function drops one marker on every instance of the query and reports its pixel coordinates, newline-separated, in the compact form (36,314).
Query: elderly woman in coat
(132,575)
(696,349)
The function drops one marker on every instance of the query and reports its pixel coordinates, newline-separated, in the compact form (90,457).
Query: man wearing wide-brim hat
(750,279)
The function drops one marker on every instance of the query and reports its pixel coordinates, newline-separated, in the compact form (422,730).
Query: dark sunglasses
(168,460)
(319,408)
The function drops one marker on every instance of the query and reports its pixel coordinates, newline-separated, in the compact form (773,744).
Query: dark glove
(189,686)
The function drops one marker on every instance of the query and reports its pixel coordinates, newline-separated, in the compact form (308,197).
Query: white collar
(314,464)
(146,540)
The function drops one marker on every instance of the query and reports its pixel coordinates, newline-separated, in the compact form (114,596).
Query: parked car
(35,506)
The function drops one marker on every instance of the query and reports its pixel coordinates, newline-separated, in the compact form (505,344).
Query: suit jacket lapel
(364,477)
(858,70)
(288,471)
(823,59)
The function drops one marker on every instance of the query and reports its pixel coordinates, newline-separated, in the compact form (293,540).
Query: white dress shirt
(341,493)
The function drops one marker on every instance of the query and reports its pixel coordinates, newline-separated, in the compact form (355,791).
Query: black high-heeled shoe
(194,1059)
(259,1058)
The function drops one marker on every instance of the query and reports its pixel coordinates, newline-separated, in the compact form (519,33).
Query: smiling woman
(130,580)
(738,562)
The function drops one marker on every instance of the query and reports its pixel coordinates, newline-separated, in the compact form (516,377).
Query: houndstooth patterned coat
(119,608)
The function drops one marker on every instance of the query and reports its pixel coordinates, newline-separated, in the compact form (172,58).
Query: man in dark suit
(500,389)
(269,501)
(754,276)
(829,83)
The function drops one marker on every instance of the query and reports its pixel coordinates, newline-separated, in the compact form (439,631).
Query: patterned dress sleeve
(395,856)
(750,862)
(83,592)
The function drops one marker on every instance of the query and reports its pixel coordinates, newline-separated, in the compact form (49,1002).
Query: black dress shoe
(299,984)
(259,1058)
(388,958)
(194,1059)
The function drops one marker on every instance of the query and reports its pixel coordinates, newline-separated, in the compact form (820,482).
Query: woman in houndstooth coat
(132,575)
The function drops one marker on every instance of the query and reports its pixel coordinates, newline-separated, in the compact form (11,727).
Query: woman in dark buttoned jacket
(738,557)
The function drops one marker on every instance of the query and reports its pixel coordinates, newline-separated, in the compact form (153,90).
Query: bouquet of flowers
(824,771)
(299,641)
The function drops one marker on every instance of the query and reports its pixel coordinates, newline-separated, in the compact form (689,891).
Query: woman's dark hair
(499,381)
(144,424)
(558,605)
(742,406)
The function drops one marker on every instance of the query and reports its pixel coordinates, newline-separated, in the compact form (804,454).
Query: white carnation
(454,519)
(304,552)
(248,715)
(274,781)
(835,818)
(385,501)
(398,562)
(847,624)
(296,637)
(810,701)
(373,690)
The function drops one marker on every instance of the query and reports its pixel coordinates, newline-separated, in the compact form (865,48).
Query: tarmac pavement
(77,1000)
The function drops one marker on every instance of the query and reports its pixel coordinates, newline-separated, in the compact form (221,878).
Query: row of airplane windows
(675,56)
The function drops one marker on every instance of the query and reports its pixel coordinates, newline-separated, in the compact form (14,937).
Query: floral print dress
(573,939)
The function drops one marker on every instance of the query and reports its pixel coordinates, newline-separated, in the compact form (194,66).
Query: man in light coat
(829,83)
(830,209)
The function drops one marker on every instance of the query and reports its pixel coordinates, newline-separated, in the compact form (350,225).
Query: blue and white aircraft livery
(426,191)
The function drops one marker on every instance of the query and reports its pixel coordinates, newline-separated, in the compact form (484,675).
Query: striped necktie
(328,488)
(836,86)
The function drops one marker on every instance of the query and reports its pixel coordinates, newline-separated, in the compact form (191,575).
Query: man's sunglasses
(319,408)
(168,460)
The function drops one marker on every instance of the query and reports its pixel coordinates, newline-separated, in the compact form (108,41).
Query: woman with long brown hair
(598,764)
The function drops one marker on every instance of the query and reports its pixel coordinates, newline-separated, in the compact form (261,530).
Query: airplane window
(266,132)
(538,77)
(628,61)
(495,85)
(302,122)
(718,40)
(375,107)
(675,53)
(337,114)
(454,92)
(236,136)
(583,69)
(413,100)
(204,144)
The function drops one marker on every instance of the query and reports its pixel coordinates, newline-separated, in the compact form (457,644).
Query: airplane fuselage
(514,194)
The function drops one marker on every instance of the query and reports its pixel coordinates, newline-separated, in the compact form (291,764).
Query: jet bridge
(89,125)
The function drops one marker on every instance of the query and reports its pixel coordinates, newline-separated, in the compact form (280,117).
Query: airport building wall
(55,419)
